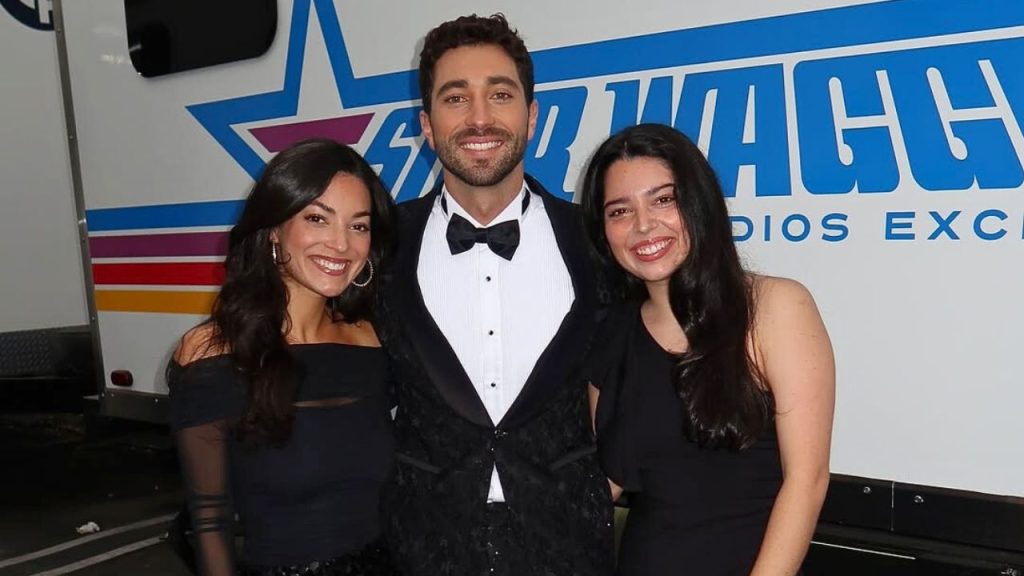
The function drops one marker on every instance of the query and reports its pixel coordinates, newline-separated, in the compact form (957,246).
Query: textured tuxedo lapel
(429,346)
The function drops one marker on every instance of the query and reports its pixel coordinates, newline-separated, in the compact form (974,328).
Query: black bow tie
(502,239)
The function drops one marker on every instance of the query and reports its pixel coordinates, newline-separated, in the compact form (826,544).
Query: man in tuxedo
(489,306)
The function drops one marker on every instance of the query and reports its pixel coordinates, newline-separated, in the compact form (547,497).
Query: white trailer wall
(874,152)
(40,262)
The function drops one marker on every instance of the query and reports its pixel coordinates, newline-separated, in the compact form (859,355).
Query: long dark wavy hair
(725,399)
(250,316)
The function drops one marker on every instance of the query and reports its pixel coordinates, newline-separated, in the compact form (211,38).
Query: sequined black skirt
(374,560)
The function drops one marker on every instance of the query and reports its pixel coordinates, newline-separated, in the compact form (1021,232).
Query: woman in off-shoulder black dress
(712,388)
(280,402)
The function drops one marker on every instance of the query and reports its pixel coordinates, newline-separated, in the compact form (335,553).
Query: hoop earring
(273,252)
(369,277)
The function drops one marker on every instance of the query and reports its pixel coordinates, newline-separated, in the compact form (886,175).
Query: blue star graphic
(219,117)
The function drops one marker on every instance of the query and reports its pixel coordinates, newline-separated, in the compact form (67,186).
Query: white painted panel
(41,282)
(143,345)
(924,329)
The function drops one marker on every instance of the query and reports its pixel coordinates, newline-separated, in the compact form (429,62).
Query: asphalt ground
(57,474)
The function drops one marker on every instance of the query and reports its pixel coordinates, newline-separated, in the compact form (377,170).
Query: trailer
(870,149)
(45,339)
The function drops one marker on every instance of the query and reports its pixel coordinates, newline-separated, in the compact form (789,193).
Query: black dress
(311,501)
(692,511)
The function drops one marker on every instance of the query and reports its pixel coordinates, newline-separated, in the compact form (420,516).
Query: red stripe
(183,274)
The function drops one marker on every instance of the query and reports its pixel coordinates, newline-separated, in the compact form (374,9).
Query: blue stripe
(778,35)
(772,36)
(220,213)
(830,28)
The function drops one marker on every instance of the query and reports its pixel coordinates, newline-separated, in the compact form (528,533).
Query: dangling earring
(369,277)
(273,252)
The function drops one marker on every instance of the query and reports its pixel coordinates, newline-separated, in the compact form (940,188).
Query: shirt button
(488,278)
(494,384)
(490,332)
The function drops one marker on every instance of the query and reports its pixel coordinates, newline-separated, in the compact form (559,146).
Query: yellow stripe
(160,301)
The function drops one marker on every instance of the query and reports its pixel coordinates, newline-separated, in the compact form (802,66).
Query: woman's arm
(203,451)
(792,348)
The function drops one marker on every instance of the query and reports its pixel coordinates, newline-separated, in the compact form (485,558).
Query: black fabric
(559,519)
(502,238)
(373,560)
(692,510)
(312,499)
(180,538)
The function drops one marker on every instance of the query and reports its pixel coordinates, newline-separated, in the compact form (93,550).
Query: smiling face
(326,244)
(645,231)
(480,121)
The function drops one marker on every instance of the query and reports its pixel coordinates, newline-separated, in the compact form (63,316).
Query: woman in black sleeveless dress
(279,402)
(712,389)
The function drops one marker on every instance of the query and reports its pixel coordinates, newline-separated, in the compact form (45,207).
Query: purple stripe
(185,244)
(347,130)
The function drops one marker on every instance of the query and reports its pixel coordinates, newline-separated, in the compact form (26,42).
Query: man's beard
(488,172)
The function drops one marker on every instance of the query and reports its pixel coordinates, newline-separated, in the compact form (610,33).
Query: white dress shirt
(497,315)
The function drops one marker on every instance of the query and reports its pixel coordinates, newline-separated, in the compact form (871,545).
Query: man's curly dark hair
(473,30)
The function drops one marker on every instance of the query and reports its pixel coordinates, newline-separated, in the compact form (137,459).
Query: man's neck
(485,203)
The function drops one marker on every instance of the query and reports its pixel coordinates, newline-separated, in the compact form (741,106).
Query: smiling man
(489,305)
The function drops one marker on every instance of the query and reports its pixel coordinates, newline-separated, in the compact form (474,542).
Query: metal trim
(863,502)
(74,158)
(922,550)
(862,550)
(972,518)
(135,406)
(896,510)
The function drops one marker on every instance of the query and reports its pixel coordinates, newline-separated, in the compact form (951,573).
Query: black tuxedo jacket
(559,506)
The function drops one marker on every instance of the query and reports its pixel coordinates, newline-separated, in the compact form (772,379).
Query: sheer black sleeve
(201,404)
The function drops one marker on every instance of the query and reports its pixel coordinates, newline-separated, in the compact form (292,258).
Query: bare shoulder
(775,296)
(196,344)
(785,316)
